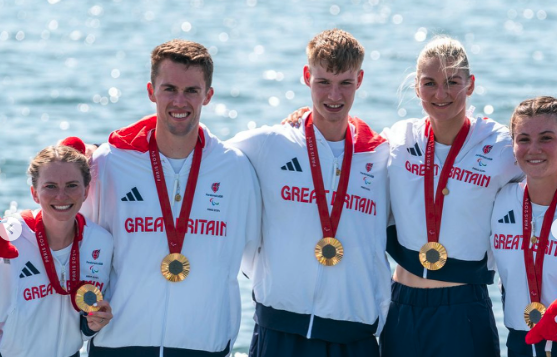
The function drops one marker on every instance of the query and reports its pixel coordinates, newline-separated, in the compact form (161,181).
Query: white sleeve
(6,290)
(253,226)
(251,143)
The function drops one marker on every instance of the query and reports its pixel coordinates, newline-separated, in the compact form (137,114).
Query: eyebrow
(173,86)
(74,181)
(456,76)
(542,133)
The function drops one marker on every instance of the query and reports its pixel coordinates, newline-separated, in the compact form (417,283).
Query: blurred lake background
(81,67)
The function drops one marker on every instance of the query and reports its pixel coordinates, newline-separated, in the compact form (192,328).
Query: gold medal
(533,313)
(433,256)
(175,267)
(445,191)
(534,239)
(329,251)
(177,198)
(87,296)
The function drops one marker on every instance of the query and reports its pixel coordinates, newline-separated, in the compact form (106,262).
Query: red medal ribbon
(434,208)
(534,270)
(329,224)
(37,225)
(175,235)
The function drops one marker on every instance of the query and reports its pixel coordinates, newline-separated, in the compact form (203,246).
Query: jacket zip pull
(176,193)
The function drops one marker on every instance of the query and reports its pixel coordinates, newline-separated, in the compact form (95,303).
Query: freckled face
(535,146)
(60,190)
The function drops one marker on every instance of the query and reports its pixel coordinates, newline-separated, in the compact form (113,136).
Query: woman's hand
(295,118)
(96,320)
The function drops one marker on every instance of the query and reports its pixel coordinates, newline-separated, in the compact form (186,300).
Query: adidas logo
(293,165)
(133,195)
(28,270)
(415,151)
(509,218)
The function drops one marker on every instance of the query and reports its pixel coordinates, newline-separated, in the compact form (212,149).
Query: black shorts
(455,321)
(272,343)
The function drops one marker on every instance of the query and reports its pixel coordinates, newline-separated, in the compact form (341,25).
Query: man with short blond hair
(321,278)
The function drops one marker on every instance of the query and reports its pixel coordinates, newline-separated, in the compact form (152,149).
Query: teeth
(442,104)
(334,106)
(535,161)
(176,115)
(62,207)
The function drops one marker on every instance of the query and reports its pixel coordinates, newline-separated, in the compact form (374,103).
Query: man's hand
(295,118)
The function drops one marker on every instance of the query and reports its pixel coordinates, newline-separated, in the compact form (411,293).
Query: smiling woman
(62,264)
(526,252)
(444,173)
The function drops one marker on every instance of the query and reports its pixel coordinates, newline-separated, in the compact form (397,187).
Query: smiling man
(174,288)
(321,278)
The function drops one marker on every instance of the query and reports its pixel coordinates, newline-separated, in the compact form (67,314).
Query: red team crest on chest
(487,149)
(215,186)
(95,254)
(369,165)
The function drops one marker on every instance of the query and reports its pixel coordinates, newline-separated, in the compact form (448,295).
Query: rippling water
(81,67)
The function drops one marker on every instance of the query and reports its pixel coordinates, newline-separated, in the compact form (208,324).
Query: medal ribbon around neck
(433,255)
(175,235)
(40,233)
(329,223)
(534,270)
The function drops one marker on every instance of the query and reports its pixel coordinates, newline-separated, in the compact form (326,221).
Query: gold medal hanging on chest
(175,267)
(329,251)
(433,256)
(87,296)
(533,313)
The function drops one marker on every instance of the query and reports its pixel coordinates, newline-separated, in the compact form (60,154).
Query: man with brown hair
(321,278)
(182,207)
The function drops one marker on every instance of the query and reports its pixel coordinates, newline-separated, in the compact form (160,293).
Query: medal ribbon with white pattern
(329,250)
(175,267)
(534,270)
(433,255)
(46,255)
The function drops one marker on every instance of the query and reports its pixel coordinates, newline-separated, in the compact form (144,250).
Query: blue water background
(81,67)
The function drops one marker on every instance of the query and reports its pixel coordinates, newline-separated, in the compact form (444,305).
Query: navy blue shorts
(137,351)
(456,321)
(272,343)
(517,346)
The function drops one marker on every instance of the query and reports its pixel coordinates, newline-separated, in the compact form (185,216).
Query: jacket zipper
(174,206)
(320,267)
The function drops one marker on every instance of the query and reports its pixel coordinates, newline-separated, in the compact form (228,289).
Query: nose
(334,93)
(441,92)
(61,194)
(179,100)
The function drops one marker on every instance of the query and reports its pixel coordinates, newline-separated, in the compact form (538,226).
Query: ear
(208,96)
(360,78)
(151,92)
(307,75)
(471,86)
(86,192)
(35,195)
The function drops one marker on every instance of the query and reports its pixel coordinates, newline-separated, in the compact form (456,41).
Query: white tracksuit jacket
(203,311)
(484,165)
(506,244)
(293,291)
(34,319)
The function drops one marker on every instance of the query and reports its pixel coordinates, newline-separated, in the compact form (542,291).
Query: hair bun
(74,142)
